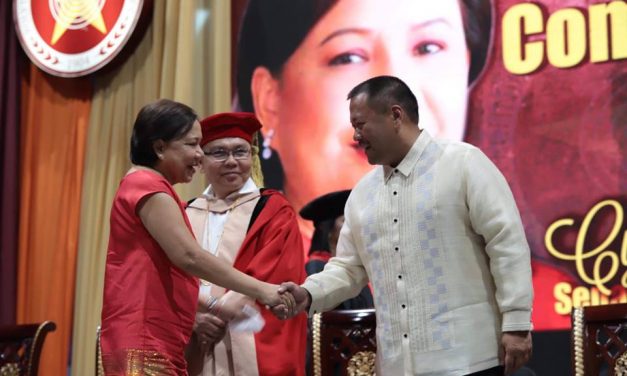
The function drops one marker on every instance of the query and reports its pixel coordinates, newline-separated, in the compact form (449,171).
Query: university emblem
(71,38)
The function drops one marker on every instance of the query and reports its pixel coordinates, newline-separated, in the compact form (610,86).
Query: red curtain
(9,138)
(54,120)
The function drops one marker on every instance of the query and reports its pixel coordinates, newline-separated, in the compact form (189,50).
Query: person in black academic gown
(327,214)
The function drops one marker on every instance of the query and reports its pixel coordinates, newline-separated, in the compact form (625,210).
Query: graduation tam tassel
(256,173)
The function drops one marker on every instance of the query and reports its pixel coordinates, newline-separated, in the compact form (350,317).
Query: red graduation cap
(229,124)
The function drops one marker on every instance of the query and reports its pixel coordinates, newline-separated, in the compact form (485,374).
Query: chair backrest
(20,347)
(344,342)
(599,339)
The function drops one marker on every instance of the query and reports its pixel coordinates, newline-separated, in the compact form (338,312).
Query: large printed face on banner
(550,109)
(306,108)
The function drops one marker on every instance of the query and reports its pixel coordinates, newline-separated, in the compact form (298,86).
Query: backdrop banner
(540,87)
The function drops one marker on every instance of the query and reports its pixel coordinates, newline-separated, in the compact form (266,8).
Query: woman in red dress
(153,260)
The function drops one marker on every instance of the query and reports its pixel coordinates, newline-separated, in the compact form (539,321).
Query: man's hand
(209,328)
(279,302)
(285,310)
(301,296)
(515,350)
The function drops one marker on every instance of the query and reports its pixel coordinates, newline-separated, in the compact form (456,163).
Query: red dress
(149,304)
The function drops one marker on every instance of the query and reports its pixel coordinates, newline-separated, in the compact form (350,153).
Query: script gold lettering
(601,254)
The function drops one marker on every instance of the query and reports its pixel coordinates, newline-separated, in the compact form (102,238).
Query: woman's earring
(266,152)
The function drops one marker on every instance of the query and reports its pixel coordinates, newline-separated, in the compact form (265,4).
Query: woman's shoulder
(138,173)
(144,177)
(139,182)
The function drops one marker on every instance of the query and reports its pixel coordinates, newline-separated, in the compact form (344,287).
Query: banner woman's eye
(428,48)
(348,58)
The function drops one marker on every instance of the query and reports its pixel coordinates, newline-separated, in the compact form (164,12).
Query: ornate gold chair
(99,368)
(20,348)
(599,338)
(344,342)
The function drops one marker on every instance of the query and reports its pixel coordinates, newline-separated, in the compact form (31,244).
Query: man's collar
(208,200)
(407,164)
(248,187)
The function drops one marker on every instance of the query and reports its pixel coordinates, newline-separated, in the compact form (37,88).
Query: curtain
(9,144)
(54,119)
(183,57)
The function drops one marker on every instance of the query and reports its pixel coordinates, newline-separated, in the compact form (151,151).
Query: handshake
(237,311)
(292,300)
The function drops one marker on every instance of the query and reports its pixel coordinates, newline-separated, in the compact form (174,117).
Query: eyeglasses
(221,155)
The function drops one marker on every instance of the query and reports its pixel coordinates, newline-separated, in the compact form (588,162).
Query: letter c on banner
(520,21)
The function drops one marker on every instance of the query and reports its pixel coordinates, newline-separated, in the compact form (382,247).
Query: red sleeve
(140,184)
(273,252)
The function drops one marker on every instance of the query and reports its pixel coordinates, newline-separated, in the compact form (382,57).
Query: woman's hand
(301,296)
(231,306)
(281,304)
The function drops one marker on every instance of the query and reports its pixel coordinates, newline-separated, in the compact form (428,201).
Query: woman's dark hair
(477,18)
(164,120)
(271,30)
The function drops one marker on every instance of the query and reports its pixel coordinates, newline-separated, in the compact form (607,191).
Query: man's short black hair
(385,91)
(165,120)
